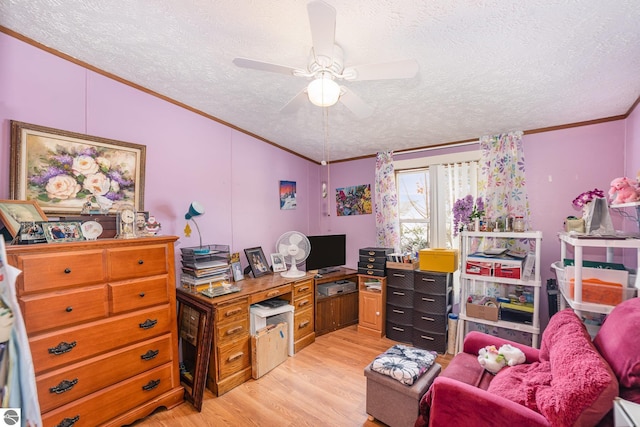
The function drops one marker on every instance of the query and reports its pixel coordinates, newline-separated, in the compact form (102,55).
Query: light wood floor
(322,385)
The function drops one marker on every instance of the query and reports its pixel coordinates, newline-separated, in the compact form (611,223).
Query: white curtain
(386,203)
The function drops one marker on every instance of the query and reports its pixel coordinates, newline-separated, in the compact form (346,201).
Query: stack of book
(201,271)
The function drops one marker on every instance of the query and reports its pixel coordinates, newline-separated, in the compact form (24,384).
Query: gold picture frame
(14,212)
(63,170)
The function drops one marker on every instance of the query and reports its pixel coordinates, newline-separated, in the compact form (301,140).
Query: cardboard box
(511,269)
(478,267)
(269,347)
(440,260)
(413,265)
(482,311)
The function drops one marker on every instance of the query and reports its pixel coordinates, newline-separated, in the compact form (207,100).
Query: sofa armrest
(475,340)
(458,404)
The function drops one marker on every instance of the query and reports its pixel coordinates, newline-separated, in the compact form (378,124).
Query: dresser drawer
(134,295)
(402,279)
(62,347)
(302,288)
(399,332)
(130,263)
(232,330)
(430,322)
(232,311)
(269,293)
(64,385)
(372,265)
(234,357)
(43,272)
(59,309)
(430,340)
(436,304)
(401,315)
(432,283)
(303,323)
(400,297)
(112,401)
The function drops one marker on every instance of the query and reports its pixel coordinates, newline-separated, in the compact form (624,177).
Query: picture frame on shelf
(41,159)
(31,232)
(278,263)
(14,212)
(63,231)
(257,261)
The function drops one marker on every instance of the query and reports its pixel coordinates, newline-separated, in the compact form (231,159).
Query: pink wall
(189,157)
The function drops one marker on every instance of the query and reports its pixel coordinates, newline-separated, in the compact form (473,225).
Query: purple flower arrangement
(465,211)
(586,197)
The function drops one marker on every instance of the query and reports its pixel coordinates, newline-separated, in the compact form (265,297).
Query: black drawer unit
(399,332)
(402,315)
(429,322)
(400,279)
(430,340)
(373,261)
(432,282)
(432,303)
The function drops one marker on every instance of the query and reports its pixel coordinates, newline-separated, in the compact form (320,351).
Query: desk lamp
(196,209)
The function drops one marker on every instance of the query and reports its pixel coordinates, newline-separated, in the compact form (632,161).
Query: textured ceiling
(486,66)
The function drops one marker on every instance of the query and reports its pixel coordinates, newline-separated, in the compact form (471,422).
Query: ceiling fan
(325,66)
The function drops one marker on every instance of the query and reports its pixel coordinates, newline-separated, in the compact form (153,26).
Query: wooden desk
(221,355)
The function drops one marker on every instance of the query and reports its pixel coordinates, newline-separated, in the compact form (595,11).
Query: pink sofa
(569,381)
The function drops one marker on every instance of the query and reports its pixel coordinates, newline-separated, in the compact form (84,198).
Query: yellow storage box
(441,260)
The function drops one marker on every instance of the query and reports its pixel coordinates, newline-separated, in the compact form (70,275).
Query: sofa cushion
(571,385)
(403,363)
(614,342)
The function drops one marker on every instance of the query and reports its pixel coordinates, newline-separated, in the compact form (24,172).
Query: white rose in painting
(97,183)
(115,186)
(62,187)
(105,204)
(84,165)
(104,163)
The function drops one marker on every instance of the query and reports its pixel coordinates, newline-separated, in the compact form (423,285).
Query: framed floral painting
(66,172)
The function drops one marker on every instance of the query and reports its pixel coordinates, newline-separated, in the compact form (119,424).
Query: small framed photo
(31,232)
(236,269)
(257,261)
(64,231)
(278,263)
(14,212)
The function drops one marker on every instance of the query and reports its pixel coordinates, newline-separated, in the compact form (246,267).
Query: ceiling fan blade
(322,19)
(354,103)
(404,69)
(296,102)
(265,66)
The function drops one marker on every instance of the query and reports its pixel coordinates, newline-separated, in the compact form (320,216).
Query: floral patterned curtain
(502,181)
(386,202)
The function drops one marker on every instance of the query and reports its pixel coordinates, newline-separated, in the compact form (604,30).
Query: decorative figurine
(152,227)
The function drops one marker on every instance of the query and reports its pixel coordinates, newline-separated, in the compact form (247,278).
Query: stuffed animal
(512,355)
(490,359)
(623,190)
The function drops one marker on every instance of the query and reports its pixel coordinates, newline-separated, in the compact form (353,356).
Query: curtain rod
(438,147)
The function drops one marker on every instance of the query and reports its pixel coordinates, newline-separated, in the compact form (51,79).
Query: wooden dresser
(101,321)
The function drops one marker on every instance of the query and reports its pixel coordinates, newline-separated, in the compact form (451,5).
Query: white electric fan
(295,248)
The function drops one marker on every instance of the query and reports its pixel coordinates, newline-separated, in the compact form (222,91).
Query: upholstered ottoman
(392,402)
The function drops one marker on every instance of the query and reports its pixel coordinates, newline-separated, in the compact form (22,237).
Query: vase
(476,224)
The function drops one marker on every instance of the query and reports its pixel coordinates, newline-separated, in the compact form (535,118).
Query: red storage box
(481,268)
(509,269)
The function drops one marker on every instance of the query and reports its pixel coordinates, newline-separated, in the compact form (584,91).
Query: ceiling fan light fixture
(323,91)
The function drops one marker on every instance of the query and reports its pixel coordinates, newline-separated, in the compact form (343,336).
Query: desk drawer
(234,357)
(232,311)
(303,302)
(269,293)
(44,272)
(303,323)
(134,295)
(59,309)
(232,330)
(87,377)
(59,348)
(302,288)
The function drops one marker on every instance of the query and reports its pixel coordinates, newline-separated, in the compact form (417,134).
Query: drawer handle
(273,294)
(234,330)
(68,309)
(395,328)
(372,260)
(427,279)
(233,312)
(151,354)
(305,289)
(398,275)
(235,356)
(369,272)
(68,422)
(151,385)
(65,385)
(148,324)
(428,299)
(399,293)
(303,303)
(369,265)
(372,253)
(140,261)
(67,270)
(141,294)
(61,348)
(427,338)
(398,311)
(303,324)
(430,319)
